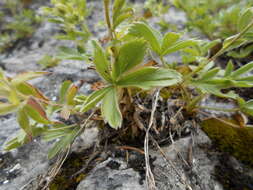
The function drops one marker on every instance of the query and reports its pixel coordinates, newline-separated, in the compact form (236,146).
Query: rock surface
(112,174)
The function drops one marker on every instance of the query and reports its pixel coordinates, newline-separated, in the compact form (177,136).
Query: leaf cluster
(122,63)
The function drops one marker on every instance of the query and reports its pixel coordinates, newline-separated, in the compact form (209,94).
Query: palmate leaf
(149,77)
(162,46)
(169,39)
(110,108)
(130,55)
(152,36)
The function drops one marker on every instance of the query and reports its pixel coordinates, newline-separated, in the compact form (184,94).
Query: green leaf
(244,69)
(122,17)
(36,111)
(23,77)
(6,108)
(70,95)
(212,89)
(245,19)
(152,36)
(93,99)
(117,7)
(63,91)
(179,46)
(29,90)
(23,121)
(150,77)
(110,109)
(17,141)
(130,55)
(101,62)
(210,74)
(63,143)
(169,39)
(229,69)
(247,107)
(66,53)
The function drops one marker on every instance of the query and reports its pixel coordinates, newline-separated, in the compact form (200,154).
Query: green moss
(236,141)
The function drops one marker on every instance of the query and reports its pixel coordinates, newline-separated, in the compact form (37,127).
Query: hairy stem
(107,17)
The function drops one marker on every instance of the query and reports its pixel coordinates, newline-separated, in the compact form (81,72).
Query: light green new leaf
(130,55)
(179,46)
(229,69)
(150,77)
(6,108)
(110,109)
(122,17)
(63,143)
(101,62)
(93,99)
(169,39)
(23,77)
(152,36)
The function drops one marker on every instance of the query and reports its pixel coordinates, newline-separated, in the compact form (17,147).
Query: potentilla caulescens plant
(121,66)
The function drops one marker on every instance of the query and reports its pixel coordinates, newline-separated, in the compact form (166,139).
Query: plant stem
(107,17)
(219,109)
(200,67)
(162,60)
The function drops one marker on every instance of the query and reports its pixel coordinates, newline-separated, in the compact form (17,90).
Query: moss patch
(236,141)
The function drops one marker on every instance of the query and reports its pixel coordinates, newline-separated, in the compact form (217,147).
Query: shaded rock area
(192,162)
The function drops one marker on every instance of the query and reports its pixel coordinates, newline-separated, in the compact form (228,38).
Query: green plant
(120,64)
(21,26)
(71,16)
(224,19)
(48,61)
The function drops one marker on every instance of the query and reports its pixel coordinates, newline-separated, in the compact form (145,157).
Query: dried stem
(150,180)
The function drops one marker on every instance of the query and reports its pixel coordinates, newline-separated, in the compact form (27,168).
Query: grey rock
(105,178)
(176,175)
(86,140)
(28,162)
